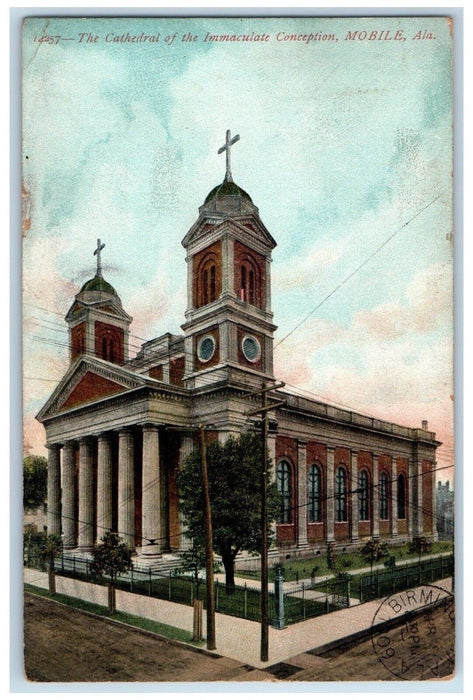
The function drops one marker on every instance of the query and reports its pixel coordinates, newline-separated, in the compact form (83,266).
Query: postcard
(238,349)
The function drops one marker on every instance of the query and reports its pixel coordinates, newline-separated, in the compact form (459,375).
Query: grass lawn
(296,569)
(140,622)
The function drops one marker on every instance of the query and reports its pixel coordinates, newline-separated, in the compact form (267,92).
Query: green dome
(98,284)
(227,188)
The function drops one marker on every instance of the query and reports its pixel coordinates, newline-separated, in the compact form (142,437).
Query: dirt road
(65,645)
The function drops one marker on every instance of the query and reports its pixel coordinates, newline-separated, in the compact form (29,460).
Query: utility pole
(264,410)
(209,556)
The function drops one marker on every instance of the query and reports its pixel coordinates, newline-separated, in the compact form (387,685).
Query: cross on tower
(100,247)
(229,141)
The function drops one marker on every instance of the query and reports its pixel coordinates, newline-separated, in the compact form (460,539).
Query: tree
(234,472)
(35,480)
(372,551)
(112,557)
(193,561)
(50,548)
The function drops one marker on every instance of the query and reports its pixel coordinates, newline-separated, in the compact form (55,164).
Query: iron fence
(299,602)
(400,578)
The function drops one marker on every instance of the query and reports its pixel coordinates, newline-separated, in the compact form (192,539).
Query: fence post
(303,600)
(348,592)
(170,586)
(278,622)
(86,570)
(377,584)
(131,580)
(74,565)
(149,582)
(216,596)
(246,602)
(327,602)
(361,588)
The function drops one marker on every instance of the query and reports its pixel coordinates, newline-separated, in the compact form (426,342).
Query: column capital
(53,445)
(330,448)
(150,427)
(354,450)
(85,440)
(301,443)
(126,430)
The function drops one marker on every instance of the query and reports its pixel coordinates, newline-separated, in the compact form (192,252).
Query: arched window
(249,283)
(108,349)
(364,495)
(383,496)
(401,497)
(341,495)
(208,282)
(283,482)
(315,494)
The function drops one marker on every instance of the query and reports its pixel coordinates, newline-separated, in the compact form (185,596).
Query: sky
(345,147)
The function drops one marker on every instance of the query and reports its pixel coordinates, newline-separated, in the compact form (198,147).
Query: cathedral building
(119,427)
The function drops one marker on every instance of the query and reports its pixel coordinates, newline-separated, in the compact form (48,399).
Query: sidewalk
(236,638)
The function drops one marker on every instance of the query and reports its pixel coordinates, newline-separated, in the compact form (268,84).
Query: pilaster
(355,507)
(393,497)
(302,494)
(330,503)
(375,500)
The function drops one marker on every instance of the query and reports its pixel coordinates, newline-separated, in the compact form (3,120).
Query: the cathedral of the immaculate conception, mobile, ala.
(119,427)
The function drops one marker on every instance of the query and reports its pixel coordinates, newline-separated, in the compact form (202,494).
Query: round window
(206,348)
(251,348)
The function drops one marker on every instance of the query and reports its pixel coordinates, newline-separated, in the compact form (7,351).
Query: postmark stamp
(422,645)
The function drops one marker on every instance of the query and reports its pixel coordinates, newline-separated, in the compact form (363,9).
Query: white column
(411,497)
(393,497)
(375,499)
(186,448)
(302,494)
(86,495)
(151,493)
(330,502)
(68,495)
(104,485)
(54,489)
(355,507)
(126,487)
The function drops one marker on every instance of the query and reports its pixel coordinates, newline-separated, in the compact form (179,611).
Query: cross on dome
(97,251)
(229,141)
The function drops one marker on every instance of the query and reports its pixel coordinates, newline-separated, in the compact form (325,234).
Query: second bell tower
(228,329)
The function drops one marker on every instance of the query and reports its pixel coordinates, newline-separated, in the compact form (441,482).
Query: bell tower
(228,329)
(98,324)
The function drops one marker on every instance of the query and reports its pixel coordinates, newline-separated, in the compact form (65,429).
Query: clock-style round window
(251,348)
(206,348)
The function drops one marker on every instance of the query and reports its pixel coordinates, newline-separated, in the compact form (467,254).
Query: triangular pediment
(108,306)
(91,387)
(87,381)
(246,224)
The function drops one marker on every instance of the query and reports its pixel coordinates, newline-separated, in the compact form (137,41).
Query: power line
(357,269)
